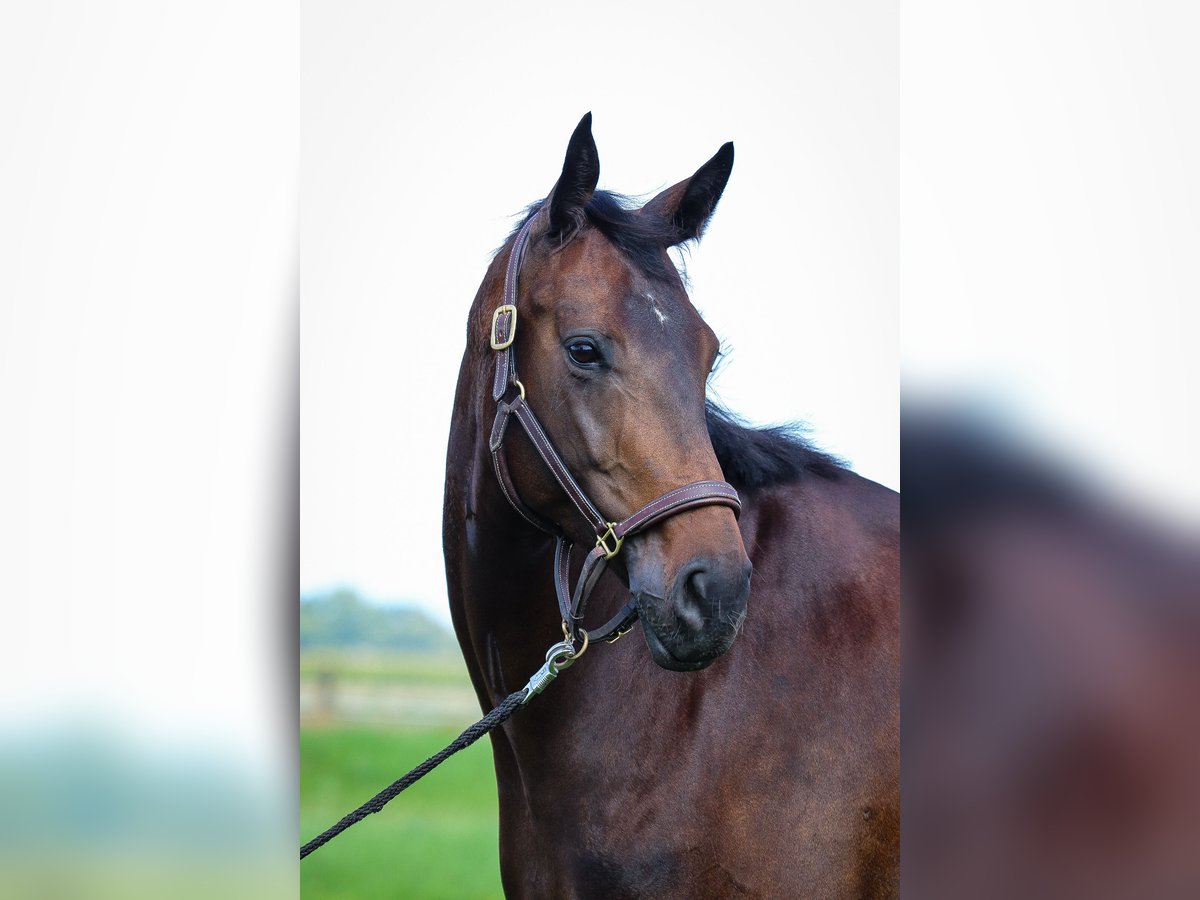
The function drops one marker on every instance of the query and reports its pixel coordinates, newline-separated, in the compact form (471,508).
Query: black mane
(641,238)
(759,457)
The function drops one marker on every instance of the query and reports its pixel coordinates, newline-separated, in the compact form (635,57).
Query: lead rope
(558,658)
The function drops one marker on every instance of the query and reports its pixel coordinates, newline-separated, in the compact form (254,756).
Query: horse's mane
(640,238)
(760,457)
(750,457)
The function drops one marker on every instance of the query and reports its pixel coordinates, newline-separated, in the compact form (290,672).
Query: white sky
(423,137)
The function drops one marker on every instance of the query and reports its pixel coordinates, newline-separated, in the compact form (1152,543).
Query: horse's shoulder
(824,537)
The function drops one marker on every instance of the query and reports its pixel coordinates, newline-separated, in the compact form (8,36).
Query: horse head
(615,359)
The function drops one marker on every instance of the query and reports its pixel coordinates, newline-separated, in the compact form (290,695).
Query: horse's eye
(583,352)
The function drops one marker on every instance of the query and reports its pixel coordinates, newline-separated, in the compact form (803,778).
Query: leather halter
(509,394)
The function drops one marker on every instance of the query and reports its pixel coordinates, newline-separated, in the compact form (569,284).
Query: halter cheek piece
(509,394)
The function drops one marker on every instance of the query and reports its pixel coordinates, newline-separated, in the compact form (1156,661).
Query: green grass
(436,840)
(385,666)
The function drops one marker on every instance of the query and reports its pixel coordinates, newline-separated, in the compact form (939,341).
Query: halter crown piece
(509,395)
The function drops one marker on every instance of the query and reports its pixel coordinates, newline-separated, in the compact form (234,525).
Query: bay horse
(749,746)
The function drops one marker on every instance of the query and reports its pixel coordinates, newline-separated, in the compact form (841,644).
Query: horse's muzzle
(701,617)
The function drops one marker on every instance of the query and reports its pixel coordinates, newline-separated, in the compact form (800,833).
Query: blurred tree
(344,619)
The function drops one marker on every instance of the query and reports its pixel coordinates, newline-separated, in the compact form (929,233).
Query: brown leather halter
(509,394)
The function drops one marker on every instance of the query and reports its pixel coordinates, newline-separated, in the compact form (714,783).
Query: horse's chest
(675,830)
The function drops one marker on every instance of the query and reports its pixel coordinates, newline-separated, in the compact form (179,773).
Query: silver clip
(559,657)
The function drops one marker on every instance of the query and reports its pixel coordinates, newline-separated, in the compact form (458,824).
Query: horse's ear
(690,204)
(580,174)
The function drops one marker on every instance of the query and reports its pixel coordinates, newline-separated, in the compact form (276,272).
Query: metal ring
(568,639)
(583,649)
(559,657)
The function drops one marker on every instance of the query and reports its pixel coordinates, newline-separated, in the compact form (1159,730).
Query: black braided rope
(510,705)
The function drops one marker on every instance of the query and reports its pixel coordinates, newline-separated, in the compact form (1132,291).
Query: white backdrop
(427,128)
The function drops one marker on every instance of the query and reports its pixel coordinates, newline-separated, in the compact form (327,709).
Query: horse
(749,745)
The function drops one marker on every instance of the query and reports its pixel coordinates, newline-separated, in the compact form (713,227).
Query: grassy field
(436,840)
(367,718)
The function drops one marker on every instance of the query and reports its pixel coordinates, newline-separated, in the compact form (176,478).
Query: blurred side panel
(1050,677)
(1050,444)
(148,478)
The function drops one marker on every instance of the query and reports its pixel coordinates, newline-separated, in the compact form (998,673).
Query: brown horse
(754,750)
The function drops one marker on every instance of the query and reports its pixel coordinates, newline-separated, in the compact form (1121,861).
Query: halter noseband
(509,394)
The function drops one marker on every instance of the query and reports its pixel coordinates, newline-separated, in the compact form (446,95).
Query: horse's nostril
(708,590)
(695,602)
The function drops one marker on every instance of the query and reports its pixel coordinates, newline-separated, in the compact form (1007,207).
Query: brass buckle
(512,330)
(621,632)
(602,541)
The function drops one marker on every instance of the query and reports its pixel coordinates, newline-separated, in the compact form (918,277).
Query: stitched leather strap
(571,603)
(698,493)
(504,322)
(557,467)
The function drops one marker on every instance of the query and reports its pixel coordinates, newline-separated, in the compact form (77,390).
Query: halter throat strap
(509,396)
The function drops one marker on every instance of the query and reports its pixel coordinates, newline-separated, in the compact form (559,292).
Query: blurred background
(382,687)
